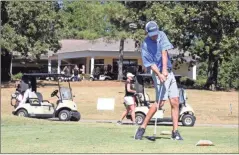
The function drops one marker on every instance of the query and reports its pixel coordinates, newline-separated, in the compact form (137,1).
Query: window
(98,63)
(129,65)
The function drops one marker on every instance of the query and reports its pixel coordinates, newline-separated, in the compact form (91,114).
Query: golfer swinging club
(155,55)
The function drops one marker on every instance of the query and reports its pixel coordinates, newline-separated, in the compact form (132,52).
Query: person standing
(76,73)
(154,52)
(129,99)
(83,71)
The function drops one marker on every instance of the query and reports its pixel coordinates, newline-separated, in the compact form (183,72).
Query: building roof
(101,44)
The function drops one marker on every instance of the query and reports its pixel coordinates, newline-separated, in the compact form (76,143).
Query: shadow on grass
(149,137)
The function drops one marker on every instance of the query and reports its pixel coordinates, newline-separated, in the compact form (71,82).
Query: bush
(190,83)
(185,81)
(17,76)
(87,76)
(199,83)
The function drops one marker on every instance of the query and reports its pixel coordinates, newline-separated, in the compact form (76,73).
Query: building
(98,53)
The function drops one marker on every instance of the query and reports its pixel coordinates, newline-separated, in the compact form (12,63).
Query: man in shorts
(155,55)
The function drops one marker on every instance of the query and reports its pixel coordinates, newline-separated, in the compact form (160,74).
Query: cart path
(164,123)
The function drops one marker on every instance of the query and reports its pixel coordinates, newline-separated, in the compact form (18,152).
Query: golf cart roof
(44,75)
(150,75)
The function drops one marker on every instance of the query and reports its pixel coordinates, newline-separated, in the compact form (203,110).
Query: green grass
(21,135)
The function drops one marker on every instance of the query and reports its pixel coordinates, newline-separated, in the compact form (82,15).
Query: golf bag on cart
(141,97)
(182,98)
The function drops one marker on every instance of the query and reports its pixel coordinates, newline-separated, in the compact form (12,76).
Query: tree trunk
(209,71)
(6,59)
(212,74)
(121,58)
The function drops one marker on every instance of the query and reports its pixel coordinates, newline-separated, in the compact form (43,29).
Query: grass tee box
(23,135)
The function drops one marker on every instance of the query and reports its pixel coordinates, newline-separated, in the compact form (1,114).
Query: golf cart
(100,74)
(186,113)
(101,77)
(30,103)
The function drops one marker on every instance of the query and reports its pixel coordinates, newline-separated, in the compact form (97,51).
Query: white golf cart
(30,103)
(186,112)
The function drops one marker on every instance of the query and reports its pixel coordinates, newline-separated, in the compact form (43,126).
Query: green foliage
(229,73)
(205,29)
(17,76)
(84,20)
(87,76)
(199,83)
(31,29)
(186,81)
(202,70)
(190,83)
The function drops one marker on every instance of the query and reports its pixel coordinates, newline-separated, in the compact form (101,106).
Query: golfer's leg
(132,108)
(153,108)
(174,112)
(174,101)
(149,115)
(124,114)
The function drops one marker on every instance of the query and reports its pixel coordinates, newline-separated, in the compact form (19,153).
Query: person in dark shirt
(76,73)
(129,99)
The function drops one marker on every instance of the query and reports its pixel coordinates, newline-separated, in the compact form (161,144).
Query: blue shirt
(151,51)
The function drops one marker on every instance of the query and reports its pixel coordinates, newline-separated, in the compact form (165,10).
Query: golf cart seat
(43,102)
(35,98)
(39,96)
(141,96)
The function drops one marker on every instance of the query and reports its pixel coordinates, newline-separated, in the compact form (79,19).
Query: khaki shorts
(129,100)
(169,90)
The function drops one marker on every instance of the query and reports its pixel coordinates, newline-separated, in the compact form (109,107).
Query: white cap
(130,75)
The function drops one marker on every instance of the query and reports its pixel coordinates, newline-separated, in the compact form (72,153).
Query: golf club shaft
(156,120)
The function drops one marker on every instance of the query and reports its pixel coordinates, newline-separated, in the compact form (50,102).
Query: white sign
(105,104)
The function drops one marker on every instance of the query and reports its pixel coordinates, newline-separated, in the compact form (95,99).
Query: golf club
(153,138)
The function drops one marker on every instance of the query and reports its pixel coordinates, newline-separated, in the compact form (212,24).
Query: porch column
(59,66)
(92,65)
(49,65)
(192,73)
(194,70)
(87,65)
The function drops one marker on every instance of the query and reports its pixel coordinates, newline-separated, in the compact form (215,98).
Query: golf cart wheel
(76,118)
(91,79)
(22,113)
(64,115)
(139,118)
(188,120)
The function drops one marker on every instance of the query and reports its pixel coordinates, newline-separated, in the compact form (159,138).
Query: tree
(216,32)
(31,28)
(92,20)
(125,18)
(84,20)
(205,29)
(228,73)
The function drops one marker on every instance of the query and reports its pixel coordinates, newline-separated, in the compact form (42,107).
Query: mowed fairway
(38,136)
(24,135)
